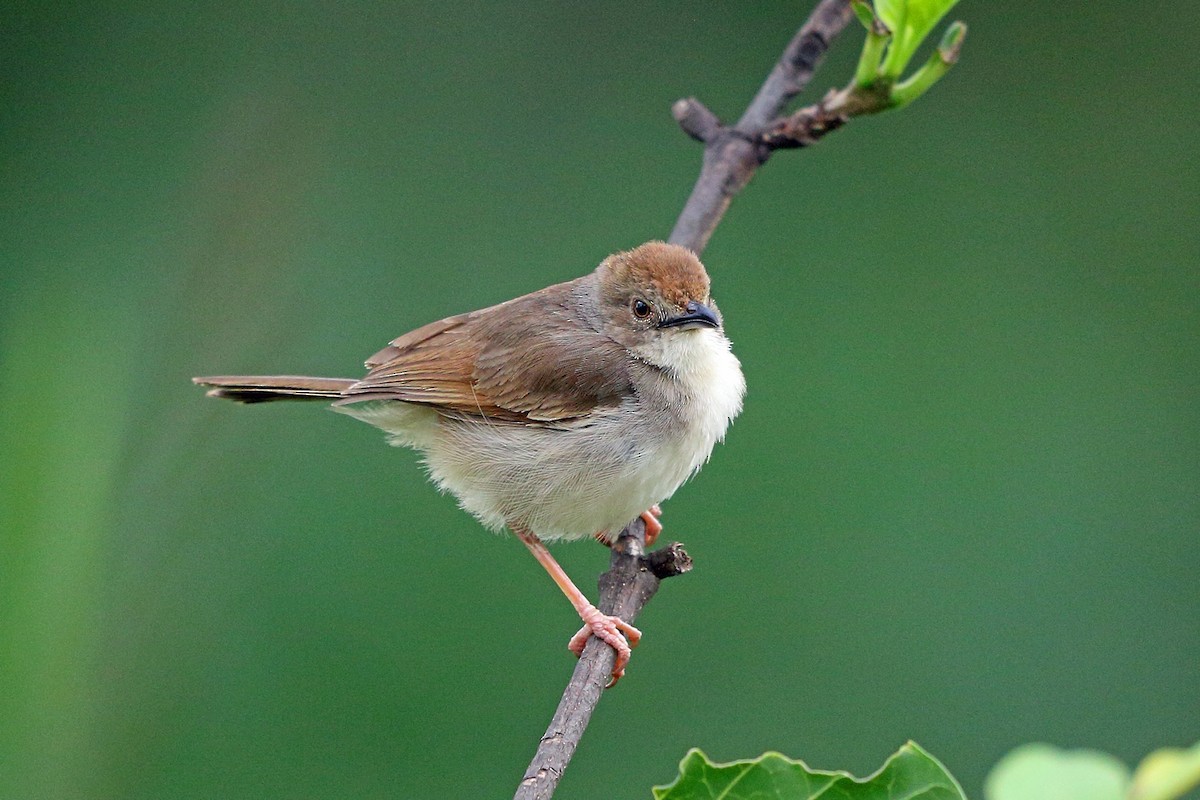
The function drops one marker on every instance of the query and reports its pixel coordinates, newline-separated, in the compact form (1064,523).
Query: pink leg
(607,628)
(653,526)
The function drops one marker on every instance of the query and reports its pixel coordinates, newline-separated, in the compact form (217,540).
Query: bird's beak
(697,314)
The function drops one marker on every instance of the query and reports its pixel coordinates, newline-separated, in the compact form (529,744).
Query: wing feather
(536,359)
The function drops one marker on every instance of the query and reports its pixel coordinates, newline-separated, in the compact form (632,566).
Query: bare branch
(807,125)
(796,66)
(731,156)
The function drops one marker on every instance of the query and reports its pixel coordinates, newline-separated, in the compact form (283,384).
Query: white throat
(710,375)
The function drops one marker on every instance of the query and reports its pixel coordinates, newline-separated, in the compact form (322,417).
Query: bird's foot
(653,526)
(613,631)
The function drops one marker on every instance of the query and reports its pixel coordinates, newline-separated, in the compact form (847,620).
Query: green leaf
(862,10)
(891,12)
(1045,772)
(910,773)
(1166,774)
(910,22)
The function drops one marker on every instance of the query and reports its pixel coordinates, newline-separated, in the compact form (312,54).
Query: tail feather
(264,388)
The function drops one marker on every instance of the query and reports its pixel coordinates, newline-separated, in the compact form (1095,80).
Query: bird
(562,414)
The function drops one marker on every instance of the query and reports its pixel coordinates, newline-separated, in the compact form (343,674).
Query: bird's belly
(569,482)
(560,483)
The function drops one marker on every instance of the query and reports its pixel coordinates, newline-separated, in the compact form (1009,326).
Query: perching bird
(562,414)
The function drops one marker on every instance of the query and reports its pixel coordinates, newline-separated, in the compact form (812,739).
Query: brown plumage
(483,363)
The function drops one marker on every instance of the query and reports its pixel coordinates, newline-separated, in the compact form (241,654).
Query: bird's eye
(641,309)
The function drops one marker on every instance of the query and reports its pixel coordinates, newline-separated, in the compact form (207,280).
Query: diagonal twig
(731,156)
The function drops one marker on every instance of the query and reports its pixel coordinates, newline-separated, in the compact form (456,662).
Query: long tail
(264,388)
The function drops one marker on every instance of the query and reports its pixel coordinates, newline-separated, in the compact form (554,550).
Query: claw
(605,627)
(653,526)
(613,631)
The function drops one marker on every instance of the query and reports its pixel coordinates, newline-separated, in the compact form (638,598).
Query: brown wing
(533,359)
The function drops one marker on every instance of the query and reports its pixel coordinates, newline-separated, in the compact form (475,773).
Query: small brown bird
(562,414)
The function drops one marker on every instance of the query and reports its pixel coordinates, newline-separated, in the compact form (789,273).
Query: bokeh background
(961,504)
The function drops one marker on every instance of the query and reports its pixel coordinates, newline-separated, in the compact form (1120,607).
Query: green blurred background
(961,504)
